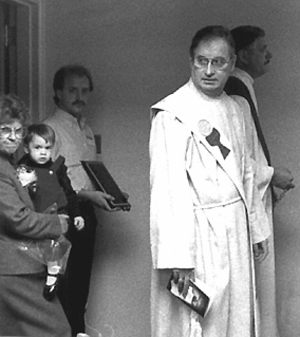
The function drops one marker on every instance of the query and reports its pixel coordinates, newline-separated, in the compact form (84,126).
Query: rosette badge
(204,127)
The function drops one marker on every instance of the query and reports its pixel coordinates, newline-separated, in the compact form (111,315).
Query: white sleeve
(171,208)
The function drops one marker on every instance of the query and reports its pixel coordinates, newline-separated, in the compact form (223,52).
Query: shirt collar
(244,75)
(70,119)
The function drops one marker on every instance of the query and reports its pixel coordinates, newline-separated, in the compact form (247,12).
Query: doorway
(21,59)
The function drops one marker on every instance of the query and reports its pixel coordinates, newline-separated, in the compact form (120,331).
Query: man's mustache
(78,102)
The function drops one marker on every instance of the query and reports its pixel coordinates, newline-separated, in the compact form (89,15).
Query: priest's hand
(182,277)
(282,178)
(260,250)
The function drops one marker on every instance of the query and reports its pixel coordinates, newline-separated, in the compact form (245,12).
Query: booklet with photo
(199,297)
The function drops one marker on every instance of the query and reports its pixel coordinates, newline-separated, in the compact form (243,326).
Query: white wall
(137,51)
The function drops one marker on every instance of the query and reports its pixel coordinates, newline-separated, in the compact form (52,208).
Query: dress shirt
(74,141)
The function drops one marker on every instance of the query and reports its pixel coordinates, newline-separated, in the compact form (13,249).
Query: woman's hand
(64,222)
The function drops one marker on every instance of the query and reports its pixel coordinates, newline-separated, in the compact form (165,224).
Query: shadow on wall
(117,238)
(287,241)
(289,311)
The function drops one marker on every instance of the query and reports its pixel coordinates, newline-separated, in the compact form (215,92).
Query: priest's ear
(242,56)
(233,62)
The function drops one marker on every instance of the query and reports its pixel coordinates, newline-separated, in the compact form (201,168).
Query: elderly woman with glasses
(23,309)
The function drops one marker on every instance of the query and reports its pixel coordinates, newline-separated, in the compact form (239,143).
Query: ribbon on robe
(214,140)
(212,135)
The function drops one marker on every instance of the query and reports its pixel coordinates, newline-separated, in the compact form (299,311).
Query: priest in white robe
(206,212)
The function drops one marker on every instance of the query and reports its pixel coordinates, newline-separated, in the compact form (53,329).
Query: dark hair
(68,71)
(11,108)
(42,130)
(208,33)
(244,36)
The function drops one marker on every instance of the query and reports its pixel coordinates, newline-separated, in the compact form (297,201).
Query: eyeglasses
(218,63)
(6,131)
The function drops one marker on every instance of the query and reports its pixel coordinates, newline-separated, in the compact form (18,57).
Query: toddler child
(52,191)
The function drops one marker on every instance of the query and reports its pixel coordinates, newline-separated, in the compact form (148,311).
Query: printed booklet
(199,297)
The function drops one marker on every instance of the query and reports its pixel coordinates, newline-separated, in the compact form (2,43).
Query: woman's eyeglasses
(6,131)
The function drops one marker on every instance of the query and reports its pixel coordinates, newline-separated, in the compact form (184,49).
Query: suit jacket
(20,224)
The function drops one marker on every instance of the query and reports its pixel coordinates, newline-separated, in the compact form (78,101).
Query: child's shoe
(50,290)
(50,287)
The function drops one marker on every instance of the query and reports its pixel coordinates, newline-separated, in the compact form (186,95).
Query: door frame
(36,99)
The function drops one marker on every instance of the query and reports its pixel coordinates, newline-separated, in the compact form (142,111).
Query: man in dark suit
(253,59)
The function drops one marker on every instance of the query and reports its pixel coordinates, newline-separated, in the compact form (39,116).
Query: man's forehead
(75,81)
(214,45)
